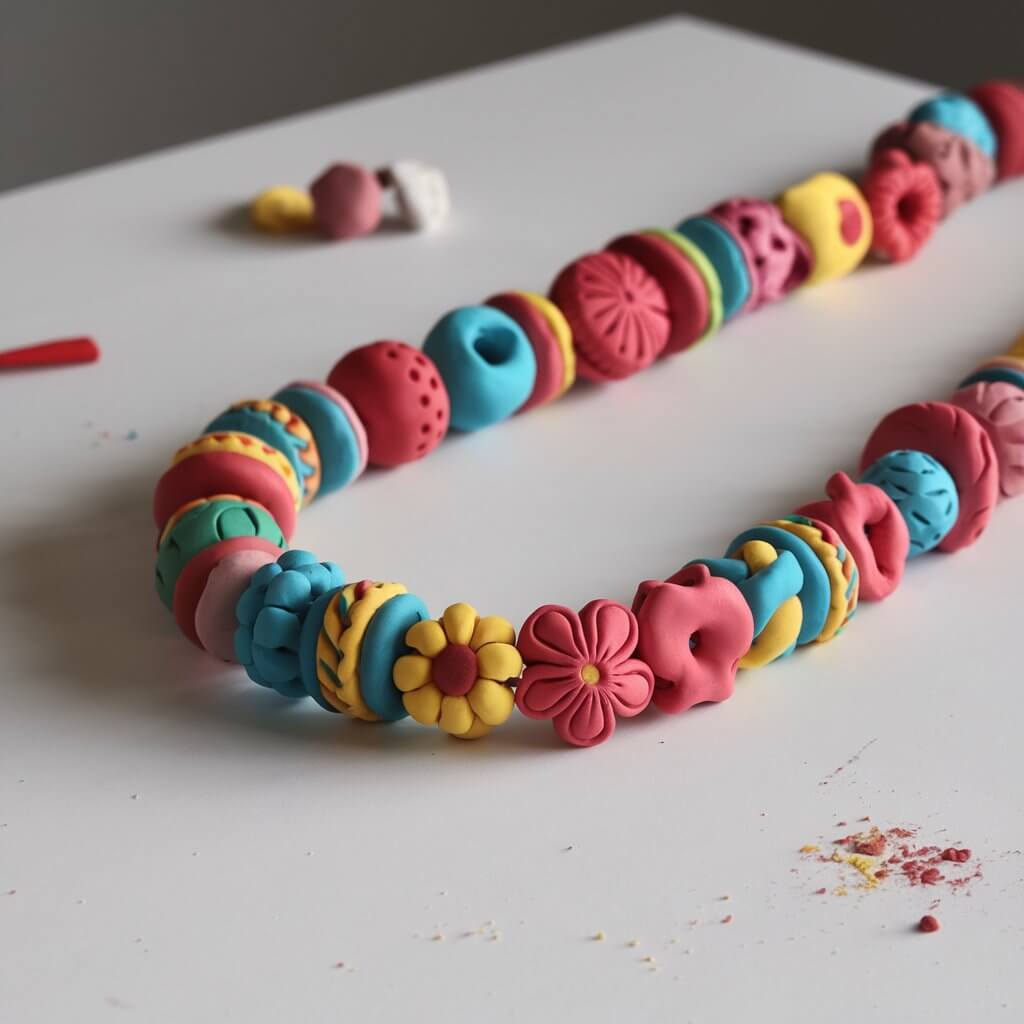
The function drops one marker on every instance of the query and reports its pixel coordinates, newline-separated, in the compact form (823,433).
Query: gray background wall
(84,82)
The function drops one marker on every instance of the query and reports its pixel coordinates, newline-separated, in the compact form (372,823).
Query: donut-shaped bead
(999,408)
(204,524)
(924,493)
(692,634)
(194,577)
(837,562)
(779,260)
(246,470)
(712,285)
(340,642)
(337,430)
(552,347)
(1003,105)
(271,613)
(618,313)
(383,644)
(769,580)
(905,202)
(277,425)
(685,288)
(346,201)
(815,594)
(726,256)
(962,116)
(829,212)
(398,395)
(486,362)
(963,171)
(215,618)
(958,442)
(870,524)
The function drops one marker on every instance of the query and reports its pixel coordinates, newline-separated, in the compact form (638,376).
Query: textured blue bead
(924,492)
(962,116)
(486,362)
(271,614)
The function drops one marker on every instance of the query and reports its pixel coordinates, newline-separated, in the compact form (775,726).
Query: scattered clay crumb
(569,848)
(598,937)
(649,960)
(340,964)
(810,848)
(820,892)
(727,919)
(437,937)
(11,892)
(842,824)
(694,922)
(633,943)
(443,892)
(135,796)
(928,923)
(674,941)
(79,901)
(726,897)
(495,937)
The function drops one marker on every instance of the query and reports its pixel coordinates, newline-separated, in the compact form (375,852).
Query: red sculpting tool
(64,352)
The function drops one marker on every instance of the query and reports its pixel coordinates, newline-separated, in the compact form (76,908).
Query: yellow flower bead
(427,637)
(491,702)
(411,672)
(459,621)
(499,662)
(456,679)
(424,704)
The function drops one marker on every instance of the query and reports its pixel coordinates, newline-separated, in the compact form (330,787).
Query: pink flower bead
(580,671)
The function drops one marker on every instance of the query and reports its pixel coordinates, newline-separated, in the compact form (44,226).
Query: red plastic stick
(63,352)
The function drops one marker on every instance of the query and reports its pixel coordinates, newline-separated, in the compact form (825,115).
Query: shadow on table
(81,582)
(236,223)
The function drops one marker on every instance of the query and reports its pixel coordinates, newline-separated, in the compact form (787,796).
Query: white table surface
(182,846)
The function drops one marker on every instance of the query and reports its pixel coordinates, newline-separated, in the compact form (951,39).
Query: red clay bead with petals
(580,670)
(618,314)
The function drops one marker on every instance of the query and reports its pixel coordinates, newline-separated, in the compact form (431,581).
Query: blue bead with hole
(486,362)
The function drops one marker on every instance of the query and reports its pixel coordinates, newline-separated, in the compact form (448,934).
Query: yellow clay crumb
(809,848)
(649,960)
(598,936)
(437,937)
(633,943)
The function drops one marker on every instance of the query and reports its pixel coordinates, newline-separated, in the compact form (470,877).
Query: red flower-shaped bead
(580,670)
(618,313)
